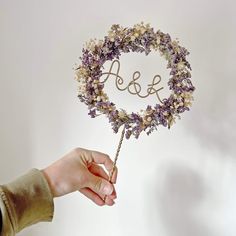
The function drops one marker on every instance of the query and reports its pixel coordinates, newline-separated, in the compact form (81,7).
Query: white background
(173,183)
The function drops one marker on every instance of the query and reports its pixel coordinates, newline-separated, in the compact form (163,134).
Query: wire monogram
(133,86)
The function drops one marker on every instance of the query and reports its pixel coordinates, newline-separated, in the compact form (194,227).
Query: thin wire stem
(117,154)
(116,157)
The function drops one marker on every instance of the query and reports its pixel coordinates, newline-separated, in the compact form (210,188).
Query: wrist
(48,177)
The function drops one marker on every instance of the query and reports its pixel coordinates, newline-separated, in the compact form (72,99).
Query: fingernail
(108,190)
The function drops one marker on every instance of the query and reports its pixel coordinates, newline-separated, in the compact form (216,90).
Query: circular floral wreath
(140,38)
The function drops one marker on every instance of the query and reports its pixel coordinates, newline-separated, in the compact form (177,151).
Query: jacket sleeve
(24,202)
(0,221)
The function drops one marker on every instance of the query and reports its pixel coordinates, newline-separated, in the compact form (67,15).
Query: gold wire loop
(133,86)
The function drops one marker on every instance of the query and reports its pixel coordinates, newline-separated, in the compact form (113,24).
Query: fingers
(93,196)
(99,171)
(114,175)
(101,158)
(109,201)
(96,198)
(113,195)
(96,184)
(99,185)
(102,188)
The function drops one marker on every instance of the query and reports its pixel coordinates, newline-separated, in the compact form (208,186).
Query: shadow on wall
(179,196)
(213,115)
(214,121)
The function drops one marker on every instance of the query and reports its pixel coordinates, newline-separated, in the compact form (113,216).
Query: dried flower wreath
(142,39)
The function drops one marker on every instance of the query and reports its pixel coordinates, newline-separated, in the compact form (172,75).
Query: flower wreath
(140,38)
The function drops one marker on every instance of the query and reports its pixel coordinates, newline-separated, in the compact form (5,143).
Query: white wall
(173,183)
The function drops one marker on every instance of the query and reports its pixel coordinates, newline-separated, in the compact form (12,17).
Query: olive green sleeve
(24,202)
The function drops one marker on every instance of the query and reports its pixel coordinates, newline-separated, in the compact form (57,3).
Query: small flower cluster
(140,38)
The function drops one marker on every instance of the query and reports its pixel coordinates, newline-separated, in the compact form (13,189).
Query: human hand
(80,170)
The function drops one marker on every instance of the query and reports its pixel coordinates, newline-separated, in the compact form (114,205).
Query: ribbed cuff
(28,200)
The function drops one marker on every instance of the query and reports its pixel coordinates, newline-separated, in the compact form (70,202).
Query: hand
(80,170)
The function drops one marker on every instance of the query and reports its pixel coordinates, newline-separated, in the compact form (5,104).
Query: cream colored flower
(122,114)
(158,40)
(80,73)
(99,98)
(147,120)
(143,30)
(90,45)
(171,121)
(111,36)
(180,65)
(188,98)
(132,38)
(99,43)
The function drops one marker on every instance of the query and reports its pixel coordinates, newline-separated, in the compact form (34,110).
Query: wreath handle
(116,156)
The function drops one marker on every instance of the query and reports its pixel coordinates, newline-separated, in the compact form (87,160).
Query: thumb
(99,185)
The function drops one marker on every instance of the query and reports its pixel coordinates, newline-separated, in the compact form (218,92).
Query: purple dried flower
(92,113)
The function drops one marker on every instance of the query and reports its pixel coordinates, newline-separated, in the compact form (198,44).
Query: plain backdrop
(178,182)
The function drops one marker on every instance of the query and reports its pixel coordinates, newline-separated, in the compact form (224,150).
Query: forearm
(24,202)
